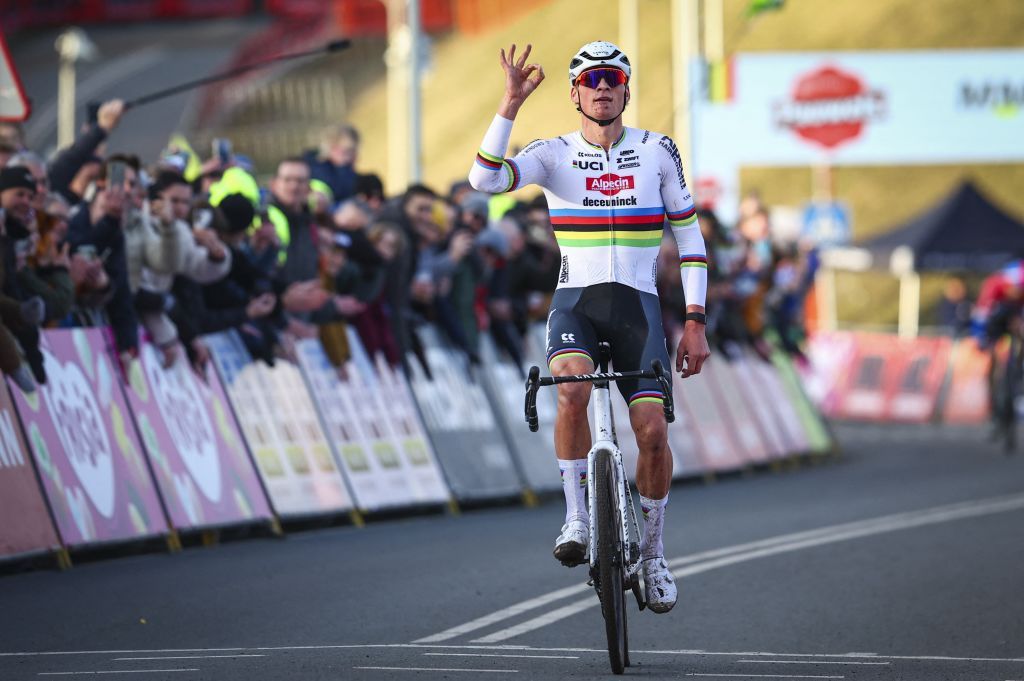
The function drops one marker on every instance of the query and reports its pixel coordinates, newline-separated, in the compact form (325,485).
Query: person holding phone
(98,232)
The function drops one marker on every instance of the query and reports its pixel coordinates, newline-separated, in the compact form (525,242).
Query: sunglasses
(593,77)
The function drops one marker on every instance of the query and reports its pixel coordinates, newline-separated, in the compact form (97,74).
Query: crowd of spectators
(180,247)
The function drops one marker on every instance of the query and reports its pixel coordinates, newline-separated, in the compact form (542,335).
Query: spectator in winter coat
(78,166)
(333,167)
(96,231)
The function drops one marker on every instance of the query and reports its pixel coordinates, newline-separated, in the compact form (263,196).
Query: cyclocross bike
(614,550)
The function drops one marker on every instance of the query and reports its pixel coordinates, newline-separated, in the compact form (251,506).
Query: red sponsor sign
(830,106)
(610,184)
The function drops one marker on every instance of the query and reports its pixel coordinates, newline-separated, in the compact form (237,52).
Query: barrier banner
(794,439)
(819,440)
(199,459)
(354,416)
(460,420)
(917,372)
(25,525)
(405,425)
(280,423)
(740,403)
(505,386)
(718,443)
(88,454)
(967,399)
(831,356)
(756,397)
(863,392)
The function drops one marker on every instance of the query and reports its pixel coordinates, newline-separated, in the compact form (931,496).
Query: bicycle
(614,545)
(1006,376)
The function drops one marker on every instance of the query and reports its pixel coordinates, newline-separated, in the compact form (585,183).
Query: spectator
(21,312)
(298,261)
(370,190)
(333,168)
(954,311)
(97,230)
(78,166)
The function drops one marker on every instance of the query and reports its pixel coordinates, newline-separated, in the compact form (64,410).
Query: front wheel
(610,561)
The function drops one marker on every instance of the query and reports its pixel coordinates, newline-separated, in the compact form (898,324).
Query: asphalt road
(917,574)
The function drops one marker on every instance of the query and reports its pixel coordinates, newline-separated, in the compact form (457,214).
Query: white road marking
(437,669)
(122,671)
(768,676)
(903,521)
(532,657)
(880,664)
(184,657)
(505,613)
(539,621)
(526,648)
(546,599)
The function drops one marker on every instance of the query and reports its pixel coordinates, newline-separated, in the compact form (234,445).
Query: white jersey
(608,208)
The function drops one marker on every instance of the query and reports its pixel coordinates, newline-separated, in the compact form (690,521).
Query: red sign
(829,107)
(609,184)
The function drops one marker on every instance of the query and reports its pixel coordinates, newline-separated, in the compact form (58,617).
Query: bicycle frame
(606,441)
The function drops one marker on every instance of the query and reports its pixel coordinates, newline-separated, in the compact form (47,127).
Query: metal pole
(910,305)
(415,44)
(72,45)
(396,59)
(685,45)
(66,103)
(629,41)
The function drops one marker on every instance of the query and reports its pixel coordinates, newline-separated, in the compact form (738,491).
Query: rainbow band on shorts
(569,352)
(653,396)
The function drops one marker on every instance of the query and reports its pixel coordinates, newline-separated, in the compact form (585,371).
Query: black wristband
(698,317)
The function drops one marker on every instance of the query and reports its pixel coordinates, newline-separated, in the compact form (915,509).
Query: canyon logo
(609,184)
(829,107)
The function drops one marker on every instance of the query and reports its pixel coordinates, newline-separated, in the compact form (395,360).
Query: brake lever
(665,382)
(532,385)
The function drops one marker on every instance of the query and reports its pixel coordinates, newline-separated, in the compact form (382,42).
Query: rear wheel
(609,562)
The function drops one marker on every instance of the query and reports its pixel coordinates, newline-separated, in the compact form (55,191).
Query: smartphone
(115,175)
(222,150)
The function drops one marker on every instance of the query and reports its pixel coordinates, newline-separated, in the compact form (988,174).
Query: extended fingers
(525,56)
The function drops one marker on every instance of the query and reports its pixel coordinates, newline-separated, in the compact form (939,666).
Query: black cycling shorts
(627,319)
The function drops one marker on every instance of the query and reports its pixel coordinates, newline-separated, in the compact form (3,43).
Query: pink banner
(199,459)
(88,454)
(25,525)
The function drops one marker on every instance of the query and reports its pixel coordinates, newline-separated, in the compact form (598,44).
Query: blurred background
(138,47)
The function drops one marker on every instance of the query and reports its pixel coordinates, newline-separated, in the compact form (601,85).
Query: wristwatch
(698,317)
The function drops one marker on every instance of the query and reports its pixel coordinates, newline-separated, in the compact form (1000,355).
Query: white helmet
(597,53)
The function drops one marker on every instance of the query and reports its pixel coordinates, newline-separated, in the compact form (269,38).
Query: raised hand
(521,79)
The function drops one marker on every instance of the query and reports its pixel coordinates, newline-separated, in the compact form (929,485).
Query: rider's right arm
(493,173)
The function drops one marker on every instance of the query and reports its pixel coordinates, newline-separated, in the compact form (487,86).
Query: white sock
(574,485)
(654,522)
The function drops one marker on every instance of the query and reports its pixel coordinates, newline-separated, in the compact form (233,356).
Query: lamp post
(72,45)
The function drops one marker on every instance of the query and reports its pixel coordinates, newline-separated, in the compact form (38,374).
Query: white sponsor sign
(187,421)
(79,424)
(861,108)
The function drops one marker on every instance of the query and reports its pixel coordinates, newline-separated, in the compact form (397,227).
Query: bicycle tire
(609,562)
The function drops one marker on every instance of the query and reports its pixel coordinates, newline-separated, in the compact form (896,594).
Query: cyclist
(999,302)
(610,189)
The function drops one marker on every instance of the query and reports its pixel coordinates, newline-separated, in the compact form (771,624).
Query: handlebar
(535,381)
